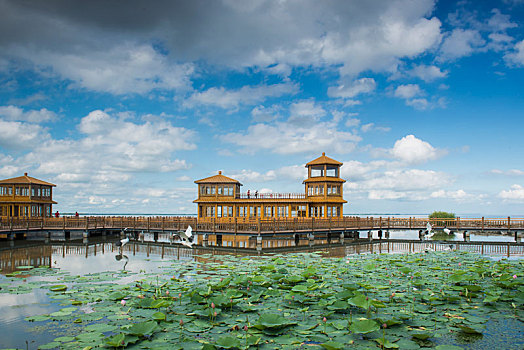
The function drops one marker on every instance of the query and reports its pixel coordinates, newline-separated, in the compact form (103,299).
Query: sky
(124,104)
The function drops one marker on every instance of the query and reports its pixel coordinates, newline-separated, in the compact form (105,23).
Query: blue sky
(124,104)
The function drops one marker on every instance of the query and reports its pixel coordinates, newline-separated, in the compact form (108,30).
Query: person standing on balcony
(248,194)
(256,194)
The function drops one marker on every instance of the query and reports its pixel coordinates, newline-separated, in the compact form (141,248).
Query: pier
(101,225)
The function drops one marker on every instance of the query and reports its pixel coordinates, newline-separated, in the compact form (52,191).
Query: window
(228,190)
(282,211)
(332,171)
(268,211)
(229,211)
(48,210)
(317,171)
(39,193)
(220,190)
(10,191)
(17,191)
(219,211)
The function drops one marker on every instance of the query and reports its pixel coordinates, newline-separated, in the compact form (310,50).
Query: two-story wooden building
(25,196)
(220,197)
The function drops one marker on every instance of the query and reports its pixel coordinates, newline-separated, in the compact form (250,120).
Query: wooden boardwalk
(253,226)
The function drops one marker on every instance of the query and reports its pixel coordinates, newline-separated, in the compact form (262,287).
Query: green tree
(441,215)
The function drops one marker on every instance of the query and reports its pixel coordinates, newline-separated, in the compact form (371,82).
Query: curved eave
(324,179)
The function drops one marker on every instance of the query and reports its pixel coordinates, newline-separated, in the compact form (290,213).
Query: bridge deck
(250,226)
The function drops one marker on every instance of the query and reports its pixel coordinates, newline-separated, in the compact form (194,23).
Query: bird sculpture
(186,238)
(447,230)
(429,231)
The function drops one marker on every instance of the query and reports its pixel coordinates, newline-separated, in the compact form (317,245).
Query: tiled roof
(218,179)
(323,160)
(25,179)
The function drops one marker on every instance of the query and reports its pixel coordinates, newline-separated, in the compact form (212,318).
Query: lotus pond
(444,300)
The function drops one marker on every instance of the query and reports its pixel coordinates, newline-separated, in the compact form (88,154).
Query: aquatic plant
(436,300)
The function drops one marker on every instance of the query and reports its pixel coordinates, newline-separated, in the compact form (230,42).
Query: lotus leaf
(143,328)
(228,342)
(364,326)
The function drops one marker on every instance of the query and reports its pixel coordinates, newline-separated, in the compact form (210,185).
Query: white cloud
(121,69)
(511,172)
(460,43)
(353,88)
(232,99)
(515,193)
(372,127)
(516,57)
(284,138)
(411,150)
(264,114)
(407,91)
(305,113)
(458,195)
(20,135)
(500,22)
(111,150)
(14,113)
(249,176)
(427,73)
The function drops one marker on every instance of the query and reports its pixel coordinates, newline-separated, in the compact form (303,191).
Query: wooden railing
(254,195)
(254,225)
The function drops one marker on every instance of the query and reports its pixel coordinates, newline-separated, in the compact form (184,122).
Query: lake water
(82,257)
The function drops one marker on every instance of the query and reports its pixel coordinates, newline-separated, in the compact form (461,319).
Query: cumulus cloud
(284,138)
(427,73)
(407,91)
(33,116)
(141,48)
(458,195)
(460,43)
(111,150)
(516,56)
(516,192)
(352,89)
(412,150)
(232,99)
(511,172)
(18,136)
(264,114)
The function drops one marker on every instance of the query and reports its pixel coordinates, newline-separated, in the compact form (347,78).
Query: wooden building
(219,196)
(25,196)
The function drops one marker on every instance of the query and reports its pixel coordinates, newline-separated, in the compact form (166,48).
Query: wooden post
(458,223)
(312,224)
(148,224)
(236,226)
(380,222)
(388,223)
(482,248)
(274,227)
(508,249)
(509,223)
(162,229)
(482,223)
(258,224)
(410,223)
(63,222)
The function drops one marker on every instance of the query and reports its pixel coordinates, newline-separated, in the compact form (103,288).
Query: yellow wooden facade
(26,197)
(220,197)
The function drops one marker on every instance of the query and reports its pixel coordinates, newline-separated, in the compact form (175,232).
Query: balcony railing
(254,195)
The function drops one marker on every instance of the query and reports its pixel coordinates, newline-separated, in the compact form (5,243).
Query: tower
(324,187)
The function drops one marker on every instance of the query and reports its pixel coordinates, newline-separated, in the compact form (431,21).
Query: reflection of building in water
(219,196)
(24,256)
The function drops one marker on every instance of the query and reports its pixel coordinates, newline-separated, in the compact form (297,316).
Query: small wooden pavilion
(26,197)
(219,196)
